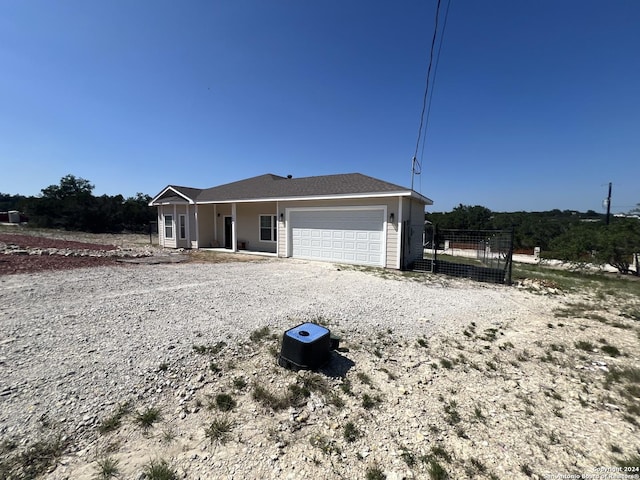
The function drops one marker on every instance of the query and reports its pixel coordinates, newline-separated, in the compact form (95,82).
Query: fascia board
(405,193)
(154,201)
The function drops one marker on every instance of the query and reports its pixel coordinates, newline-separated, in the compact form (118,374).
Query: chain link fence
(482,255)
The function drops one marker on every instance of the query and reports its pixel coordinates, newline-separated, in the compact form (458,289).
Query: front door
(227,232)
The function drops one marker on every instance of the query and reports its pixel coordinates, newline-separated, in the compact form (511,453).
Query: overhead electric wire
(416,164)
(426,89)
(435,76)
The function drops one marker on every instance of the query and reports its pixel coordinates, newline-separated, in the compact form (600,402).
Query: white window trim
(273,229)
(172,226)
(182,218)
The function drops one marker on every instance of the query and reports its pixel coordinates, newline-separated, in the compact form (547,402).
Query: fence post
(434,246)
(510,259)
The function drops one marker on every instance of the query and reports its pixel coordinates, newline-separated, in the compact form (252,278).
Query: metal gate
(482,255)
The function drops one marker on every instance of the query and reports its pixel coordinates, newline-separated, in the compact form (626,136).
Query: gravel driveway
(75,343)
(100,327)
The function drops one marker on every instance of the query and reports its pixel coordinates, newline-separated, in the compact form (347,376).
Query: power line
(416,167)
(435,76)
(426,89)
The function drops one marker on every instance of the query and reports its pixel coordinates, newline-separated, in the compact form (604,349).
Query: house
(345,218)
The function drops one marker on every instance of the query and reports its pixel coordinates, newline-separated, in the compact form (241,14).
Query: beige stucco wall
(413,212)
(248,225)
(206,219)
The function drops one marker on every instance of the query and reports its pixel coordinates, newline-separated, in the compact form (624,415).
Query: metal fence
(483,255)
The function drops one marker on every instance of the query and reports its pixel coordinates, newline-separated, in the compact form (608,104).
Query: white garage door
(350,236)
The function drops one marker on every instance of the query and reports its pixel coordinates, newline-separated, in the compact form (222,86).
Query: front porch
(238,227)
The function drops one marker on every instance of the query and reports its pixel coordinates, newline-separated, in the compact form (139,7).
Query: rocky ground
(52,250)
(144,370)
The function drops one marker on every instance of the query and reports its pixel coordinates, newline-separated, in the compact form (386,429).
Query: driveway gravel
(75,344)
(73,341)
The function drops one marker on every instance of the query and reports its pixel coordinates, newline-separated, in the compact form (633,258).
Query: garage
(346,235)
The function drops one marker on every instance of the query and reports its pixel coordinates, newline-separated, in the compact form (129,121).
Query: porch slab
(246,252)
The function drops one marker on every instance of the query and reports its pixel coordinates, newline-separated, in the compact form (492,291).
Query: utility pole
(609,204)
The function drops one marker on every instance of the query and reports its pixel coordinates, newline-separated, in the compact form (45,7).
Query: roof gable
(175,194)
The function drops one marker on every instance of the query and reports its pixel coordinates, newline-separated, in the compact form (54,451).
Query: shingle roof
(271,186)
(192,193)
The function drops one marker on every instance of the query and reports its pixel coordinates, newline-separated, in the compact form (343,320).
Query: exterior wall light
(282,217)
(392,217)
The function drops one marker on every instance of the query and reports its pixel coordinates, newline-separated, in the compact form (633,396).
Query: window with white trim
(182,225)
(268,228)
(168,226)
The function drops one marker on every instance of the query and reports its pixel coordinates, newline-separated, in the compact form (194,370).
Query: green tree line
(562,234)
(71,205)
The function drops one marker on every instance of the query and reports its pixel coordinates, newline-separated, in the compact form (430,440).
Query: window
(268,228)
(183,226)
(168,226)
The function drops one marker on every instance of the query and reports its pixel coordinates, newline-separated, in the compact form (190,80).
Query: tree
(614,244)
(619,243)
(71,205)
(137,213)
(11,202)
(464,217)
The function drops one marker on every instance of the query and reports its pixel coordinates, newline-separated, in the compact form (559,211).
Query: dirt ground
(40,250)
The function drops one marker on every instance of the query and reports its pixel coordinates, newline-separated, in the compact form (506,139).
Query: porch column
(195,214)
(174,227)
(215,225)
(160,228)
(187,234)
(234,237)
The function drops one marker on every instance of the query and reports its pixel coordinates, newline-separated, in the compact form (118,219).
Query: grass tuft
(368,401)
(107,468)
(218,430)
(148,417)
(374,472)
(446,363)
(260,334)
(436,471)
(225,402)
(114,421)
(209,349)
(586,346)
(610,350)
(159,470)
(351,432)
(364,378)
(632,463)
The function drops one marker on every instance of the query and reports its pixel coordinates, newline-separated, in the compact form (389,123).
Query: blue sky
(536,104)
